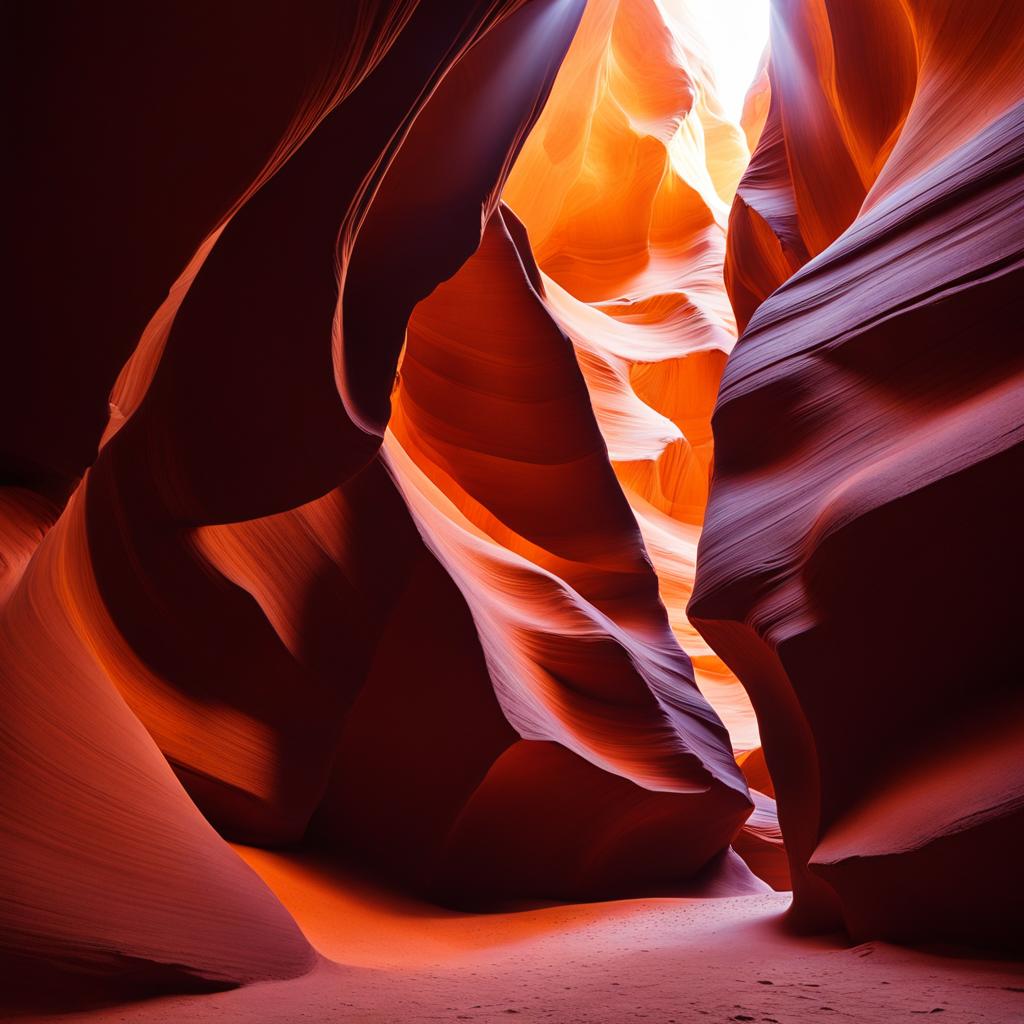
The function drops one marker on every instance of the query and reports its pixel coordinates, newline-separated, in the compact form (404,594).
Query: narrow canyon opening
(512,512)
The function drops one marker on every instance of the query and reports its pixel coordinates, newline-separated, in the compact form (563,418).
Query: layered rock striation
(860,560)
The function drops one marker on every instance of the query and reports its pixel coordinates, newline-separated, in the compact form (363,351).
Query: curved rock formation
(113,880)
(623,187)
(188,640)
(355,468)
(860,560)
(449,658)
(115,873)
(530,523)
(109,869)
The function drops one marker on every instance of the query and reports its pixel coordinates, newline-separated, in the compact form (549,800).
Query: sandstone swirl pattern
(310,529)
(358,443)
(860,565)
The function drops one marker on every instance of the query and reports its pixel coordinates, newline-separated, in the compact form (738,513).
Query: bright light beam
(735,32)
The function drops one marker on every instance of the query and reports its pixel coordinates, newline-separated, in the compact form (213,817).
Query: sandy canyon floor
(671,961)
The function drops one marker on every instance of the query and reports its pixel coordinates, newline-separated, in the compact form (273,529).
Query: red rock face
(228,411)
(858,569)
(447,657)
(623,189)
(534,530)
(109,868)
(356,457)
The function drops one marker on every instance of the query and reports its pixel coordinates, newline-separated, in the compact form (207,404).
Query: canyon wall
(355,468)
(859,568)
(310,532)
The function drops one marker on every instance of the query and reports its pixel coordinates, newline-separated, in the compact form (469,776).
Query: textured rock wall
(859,568)
(229,591)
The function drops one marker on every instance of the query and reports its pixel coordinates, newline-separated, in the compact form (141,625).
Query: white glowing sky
(735,32)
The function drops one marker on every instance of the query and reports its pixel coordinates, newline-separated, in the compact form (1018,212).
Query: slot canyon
(511,509)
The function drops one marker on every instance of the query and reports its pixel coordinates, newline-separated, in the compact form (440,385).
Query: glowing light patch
(735,33)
